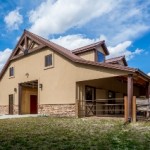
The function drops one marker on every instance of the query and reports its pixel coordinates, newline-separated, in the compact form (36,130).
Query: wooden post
(19,98)
(134,109)
(77,108)
(147,89)
(130,96)
(147,96)
(125,108)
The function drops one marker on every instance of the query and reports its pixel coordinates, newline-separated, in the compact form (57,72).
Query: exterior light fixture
(15,90)
(27,75)
(40,86)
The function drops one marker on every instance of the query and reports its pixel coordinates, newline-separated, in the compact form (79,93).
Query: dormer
(121,60)
(95,52)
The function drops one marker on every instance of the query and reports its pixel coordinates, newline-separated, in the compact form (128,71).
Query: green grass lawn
(69,133)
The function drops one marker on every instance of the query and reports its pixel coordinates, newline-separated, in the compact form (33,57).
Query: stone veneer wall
(16,109)
(4,109)
(61,110)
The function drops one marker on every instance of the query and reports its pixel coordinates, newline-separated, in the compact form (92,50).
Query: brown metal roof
(116,59)
(91,47)
(69,55)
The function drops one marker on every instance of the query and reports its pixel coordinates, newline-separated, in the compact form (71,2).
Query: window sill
(49,67)
(11,77)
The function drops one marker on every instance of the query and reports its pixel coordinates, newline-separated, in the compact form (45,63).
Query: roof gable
(116,60)
(33,43)
(25,45)
(91,47)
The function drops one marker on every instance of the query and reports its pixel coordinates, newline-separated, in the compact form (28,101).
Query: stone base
(16,109)
(62,110)
(4,109)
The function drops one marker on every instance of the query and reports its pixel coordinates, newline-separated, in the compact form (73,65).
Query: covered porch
(111,97)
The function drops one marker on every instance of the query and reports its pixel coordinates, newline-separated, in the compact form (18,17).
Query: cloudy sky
(123,24)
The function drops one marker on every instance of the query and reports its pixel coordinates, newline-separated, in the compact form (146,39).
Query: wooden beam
(26,42)
(130,95)
(125,108)
(22,49)
(35,40)
(30,44)
(134,109)
(19,98)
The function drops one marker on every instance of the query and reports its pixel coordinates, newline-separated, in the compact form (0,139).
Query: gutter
(143,74)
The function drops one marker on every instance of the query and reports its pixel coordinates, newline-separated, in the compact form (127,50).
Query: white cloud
(57,17)
(148,74)
(18,38)
(118,20)
(75,41)
(13,19)
(122,49)
(4,55)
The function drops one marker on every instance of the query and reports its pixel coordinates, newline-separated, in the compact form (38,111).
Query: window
(48,60)
(100,57)
(11,71)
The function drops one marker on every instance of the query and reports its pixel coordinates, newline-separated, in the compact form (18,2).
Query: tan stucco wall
(57,86)
(89,55)
(59,82)
(101,50)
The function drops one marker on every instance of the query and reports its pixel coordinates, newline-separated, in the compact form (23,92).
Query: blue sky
(123,24)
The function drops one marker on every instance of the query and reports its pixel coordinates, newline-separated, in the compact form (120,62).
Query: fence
(143,107)
(101,107)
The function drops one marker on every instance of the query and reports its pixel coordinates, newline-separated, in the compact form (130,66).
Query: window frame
(11,72)
(97,58)
(48,63)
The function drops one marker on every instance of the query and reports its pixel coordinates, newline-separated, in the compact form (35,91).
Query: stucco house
(41,77)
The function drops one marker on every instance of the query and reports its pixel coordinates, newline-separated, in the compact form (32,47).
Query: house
(41,77)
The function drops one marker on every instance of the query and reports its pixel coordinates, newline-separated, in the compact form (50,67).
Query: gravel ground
(17,116)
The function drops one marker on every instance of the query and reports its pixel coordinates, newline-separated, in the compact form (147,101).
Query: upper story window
(48,60)
(11,71)
(100,57)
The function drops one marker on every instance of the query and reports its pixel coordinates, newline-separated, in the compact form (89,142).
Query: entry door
(11,102)
(33,104)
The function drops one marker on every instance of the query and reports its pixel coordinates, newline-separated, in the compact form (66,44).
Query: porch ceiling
(137,80)
(31,84)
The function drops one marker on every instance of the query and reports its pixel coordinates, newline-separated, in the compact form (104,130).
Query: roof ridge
(89,45)
(68,54)
(122,56)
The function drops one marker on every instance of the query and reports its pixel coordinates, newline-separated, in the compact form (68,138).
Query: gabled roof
(91,47)
(64,52)
(116,59)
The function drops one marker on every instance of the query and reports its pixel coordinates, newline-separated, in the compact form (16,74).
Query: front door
(11,103)
(33,104)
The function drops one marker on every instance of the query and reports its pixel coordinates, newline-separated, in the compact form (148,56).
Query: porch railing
(101,107)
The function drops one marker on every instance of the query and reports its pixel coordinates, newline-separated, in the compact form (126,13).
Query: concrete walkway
(17,116)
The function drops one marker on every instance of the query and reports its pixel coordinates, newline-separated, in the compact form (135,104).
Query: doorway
(11,103)
(33,104)
(28,97)
(90,103)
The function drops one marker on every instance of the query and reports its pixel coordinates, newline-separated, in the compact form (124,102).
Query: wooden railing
(101,107)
